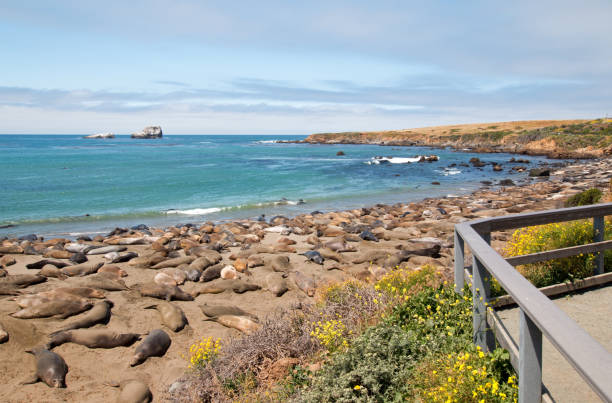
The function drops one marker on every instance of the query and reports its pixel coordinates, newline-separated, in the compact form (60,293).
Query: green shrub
(556,236)
(585,198)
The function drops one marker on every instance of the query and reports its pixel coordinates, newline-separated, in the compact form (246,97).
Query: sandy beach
(362,243)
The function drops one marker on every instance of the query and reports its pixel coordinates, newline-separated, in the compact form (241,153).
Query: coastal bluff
(149,132)
(552,138)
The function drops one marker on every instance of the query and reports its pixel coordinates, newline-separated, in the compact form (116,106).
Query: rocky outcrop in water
(149,132)
(100,136)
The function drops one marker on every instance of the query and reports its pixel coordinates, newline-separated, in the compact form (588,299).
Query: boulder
(149,132)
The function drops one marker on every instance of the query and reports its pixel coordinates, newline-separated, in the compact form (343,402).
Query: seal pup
(240,287)
(314,256)
(104,283)
(241,323)
(164,279)
(42,263)
(172,316)
(49,270)
(132,391)
(213,311)
(50,368)
(280,263)
(154,345)
(92,338)
(113,269)
(100,313)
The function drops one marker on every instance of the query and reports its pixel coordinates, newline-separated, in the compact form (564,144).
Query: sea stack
(149,132)
(100,136)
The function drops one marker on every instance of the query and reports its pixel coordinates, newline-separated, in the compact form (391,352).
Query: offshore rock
(149,132)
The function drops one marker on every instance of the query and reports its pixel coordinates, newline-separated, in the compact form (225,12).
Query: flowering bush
(555,236)
(468,376)
(203,352)
(332,334)
(403,283)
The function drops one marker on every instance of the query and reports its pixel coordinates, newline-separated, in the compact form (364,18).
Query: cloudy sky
(289,67)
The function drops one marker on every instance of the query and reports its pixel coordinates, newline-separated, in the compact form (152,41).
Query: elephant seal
(100,313)
(92,338)
(57,307)
(164,292)
(172,316)
(49,270)
(276,284)
(241,323)
(154,345)
(213,311)
(78,247)
(78,257)
(106,249)
(314,256)
(50,368)
(240,287)
(57,254)
(4,336)
(164,280)
(115,257)
(367,235)
(305,283)
(208,289)
(104,283)
(22,280)
(3,273)
(173,262)
(280,263)
(133,391)
(193,275)
(331,255)
(116,270)
(229,273)
(212,273)
(339,246)
(82,269)
(177,274)
(41,263)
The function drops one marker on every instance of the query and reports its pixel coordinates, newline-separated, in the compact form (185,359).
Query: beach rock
(149,132)
(539,172)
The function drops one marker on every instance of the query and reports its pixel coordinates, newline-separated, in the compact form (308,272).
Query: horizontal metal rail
(559,253)
(539,315)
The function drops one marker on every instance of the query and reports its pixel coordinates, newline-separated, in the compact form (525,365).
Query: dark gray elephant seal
(314,256)
(50,368)
(100,313)
(154,345)
(93,338)
(171,315)
(133,391)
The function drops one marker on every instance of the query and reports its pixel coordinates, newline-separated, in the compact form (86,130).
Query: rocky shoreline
(223,279)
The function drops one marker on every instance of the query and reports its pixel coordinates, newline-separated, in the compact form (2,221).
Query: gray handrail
(539,315)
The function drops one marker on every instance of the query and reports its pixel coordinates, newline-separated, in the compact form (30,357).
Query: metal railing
(538,314)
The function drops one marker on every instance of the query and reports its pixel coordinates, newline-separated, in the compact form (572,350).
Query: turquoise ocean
(64,185)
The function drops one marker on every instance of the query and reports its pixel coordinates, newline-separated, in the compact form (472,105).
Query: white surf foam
(195,211)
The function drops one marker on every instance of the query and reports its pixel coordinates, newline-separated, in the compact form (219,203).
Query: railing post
(530,361)
(481,293)
(459,263)
(598,236)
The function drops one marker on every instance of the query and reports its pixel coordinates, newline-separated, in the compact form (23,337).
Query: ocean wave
(450,171)
(266,141)
(211,210)
(195,211)
(394,160)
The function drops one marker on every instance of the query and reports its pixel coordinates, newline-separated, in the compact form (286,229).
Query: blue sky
(299,67)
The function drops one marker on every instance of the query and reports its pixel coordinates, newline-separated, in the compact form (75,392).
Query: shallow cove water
(64,185)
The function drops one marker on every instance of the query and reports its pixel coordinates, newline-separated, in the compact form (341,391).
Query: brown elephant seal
(102,282)
(172,316)
(173,262)
(280,263)
(4,336)
(241,323)
(82,269)
(276,284)
(213,311)
(100,313)
(22,280)
(229,273)
(305,283)
(168,293)
(116,270)
(339,246)
(93,338)
(164,280)
(57,307)
(154,345)
(50,368)
(3,273)
(57,254)
(240,287)
(49,270)
(212,273)
(59,294)
(208,289)
(133,391)
(176,273)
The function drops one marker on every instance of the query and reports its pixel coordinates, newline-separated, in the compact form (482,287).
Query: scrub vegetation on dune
(407,336)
